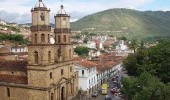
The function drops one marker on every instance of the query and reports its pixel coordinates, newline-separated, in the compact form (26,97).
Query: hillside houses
(2,22)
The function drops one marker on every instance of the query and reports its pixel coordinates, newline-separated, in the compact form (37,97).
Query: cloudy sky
(19,10)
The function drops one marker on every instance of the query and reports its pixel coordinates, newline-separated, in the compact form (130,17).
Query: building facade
(87,72)
(48,74)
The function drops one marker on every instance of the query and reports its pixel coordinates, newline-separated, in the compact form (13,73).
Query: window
(59,51)
(70,69)
(49,56)
(35,38)
(70,53)
(82,72)
(8,92)
(42,38)
(64,38)
(62,71)
(51,76)
(52,96)
(58,38)
(42,17)
(36,57)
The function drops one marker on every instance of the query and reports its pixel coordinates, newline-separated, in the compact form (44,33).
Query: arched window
(82,72)
(64,38)
(35,38)
(52,96)
(51,76)
(70,54)
(49,56)
(42,17)
(36,57)
(59,51)
(42,38)
(70,68)
(62,71)
(8,92)
(58,38)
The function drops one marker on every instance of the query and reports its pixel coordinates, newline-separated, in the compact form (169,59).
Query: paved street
(111,85)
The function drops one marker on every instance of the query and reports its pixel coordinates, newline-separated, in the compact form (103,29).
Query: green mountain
(127,22)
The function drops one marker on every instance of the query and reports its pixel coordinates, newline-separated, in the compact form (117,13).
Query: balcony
(40,28)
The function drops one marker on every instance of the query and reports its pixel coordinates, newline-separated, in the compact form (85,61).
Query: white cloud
(77,8)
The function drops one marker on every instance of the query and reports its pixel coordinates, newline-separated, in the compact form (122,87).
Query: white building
(91,44)
(18,49)
(2,22)
(87,75)
(121,47)
(94,53)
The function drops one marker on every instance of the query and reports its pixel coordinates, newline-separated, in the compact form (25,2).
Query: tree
(130,64)
(16,38)
(155,60)
(85,40)
(82,51)
(133,45)
(145,87)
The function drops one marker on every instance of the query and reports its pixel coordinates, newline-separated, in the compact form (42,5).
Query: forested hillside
(127,22)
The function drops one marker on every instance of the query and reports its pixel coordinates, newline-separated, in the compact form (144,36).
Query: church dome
(40,4)
(62,11)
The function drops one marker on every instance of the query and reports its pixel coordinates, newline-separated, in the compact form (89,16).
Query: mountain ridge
(127,22)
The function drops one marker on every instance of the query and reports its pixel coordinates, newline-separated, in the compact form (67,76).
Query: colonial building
(87,75)
(48,74)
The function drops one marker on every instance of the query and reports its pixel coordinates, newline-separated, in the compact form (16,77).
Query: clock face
(64,22)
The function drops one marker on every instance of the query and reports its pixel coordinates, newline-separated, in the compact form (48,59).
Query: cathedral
(48,74)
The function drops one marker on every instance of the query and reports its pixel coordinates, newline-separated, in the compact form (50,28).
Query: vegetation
(17,38)
(16,29)
(149,70)
(82,51)
(145,87)
(147,25)
(155,60)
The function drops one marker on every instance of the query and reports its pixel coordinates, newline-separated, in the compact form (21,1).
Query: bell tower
(40,51)
(62,36)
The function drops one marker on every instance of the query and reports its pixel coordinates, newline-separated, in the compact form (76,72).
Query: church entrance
(62,93)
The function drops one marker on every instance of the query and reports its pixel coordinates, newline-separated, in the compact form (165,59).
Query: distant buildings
(2,22)
(121,47)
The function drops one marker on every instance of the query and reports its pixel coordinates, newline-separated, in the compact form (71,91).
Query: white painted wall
(89,74)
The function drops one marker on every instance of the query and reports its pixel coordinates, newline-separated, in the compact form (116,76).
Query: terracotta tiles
(87,64)
(14,65)
(13,79)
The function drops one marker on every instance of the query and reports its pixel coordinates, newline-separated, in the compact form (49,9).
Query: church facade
(48,74)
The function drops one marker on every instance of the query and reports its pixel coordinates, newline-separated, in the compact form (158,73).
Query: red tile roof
(13,79)
(14,65)
(87,64)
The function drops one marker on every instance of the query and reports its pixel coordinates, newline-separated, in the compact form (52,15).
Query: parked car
(113,91)
(94,94)
(107,97)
